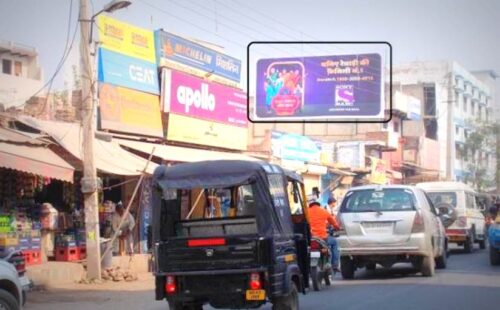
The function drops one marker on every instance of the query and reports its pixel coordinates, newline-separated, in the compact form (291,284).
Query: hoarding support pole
(89,182)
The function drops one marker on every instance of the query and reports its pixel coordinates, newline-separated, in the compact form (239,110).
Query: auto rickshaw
(233,234)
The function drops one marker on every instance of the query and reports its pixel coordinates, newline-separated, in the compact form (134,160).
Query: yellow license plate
(256,294)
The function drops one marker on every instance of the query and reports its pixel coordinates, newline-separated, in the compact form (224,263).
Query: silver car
(390,224)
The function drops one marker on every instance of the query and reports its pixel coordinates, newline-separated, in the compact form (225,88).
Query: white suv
(11,294)
(389,224)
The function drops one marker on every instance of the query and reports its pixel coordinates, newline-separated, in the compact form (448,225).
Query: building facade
(20,74)
(455,102)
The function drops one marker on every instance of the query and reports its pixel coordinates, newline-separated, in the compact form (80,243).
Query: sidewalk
(107,295)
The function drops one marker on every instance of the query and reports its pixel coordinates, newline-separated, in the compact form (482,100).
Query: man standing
(125,240)
(332,206)
(319,218)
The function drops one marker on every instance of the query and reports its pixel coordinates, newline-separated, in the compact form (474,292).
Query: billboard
(181,54)
(378,168)
(296,147)
(192,130)
(126,39)
(337,87)
(131,111)
(202,112)
(126,71)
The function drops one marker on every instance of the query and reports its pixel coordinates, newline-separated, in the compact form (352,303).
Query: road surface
(469,282)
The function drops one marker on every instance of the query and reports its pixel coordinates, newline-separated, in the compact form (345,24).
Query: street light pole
(89,181)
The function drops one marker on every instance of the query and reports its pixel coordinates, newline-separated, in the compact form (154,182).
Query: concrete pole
(89,182)
(450,130)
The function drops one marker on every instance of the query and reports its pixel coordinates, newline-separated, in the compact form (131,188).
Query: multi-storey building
(20,75)
(455,101)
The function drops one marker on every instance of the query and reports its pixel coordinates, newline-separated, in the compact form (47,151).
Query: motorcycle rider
(319,218)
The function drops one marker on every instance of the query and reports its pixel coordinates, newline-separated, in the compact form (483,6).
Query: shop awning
(109,156)
(181,154)
(36,160)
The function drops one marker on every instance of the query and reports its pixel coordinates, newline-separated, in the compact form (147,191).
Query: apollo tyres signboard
(122,70)
(181,54)
(331,88)
(203,112)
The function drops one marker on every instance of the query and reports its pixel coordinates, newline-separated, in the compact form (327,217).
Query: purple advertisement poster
(326,87)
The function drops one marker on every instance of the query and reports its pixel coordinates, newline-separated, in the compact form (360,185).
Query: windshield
(372,200)
(443,197)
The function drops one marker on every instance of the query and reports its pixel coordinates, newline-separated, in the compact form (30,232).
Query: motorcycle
(16,258)
(321,269)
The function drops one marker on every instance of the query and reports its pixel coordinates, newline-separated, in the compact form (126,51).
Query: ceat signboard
(203,112)
(122,70)
(332,88)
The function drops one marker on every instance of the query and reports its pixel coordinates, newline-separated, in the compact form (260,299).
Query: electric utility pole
(89,181)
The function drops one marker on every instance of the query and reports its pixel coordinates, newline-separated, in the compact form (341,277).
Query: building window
(457,104)
(465,105)
(457,130)
(18,68)
(472,108)
(6,66)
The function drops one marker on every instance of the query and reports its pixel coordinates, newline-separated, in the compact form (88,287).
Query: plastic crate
(82,252)
(32,257)
(67,254)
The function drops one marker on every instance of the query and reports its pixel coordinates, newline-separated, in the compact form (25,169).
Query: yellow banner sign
(127,110)
(378,171)
(126,39)
(191,130)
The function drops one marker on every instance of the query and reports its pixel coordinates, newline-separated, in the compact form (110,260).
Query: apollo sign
(200,98)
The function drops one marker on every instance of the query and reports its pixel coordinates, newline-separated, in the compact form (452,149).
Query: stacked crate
(66,248)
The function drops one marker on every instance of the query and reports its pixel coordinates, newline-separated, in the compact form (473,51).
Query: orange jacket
(318,218)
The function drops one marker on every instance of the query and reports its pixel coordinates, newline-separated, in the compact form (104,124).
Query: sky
(462,30)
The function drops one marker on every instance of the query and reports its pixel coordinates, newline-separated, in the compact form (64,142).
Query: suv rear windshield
(372,200)
(446,197)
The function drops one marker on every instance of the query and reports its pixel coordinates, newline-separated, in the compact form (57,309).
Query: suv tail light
(462,221)
(19,263)
(255,283)
(418,223)
(170,285)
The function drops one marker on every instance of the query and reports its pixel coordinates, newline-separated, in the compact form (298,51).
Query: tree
(483,138)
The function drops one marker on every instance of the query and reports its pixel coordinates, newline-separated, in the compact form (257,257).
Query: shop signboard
(203,112)
(122,70)
(295,147)
(126,39)
(337,87)
(350,154)
(128,110)
(181,54)
(145,208)
(378,168)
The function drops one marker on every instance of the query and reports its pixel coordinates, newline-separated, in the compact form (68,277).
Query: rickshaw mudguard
(293,272)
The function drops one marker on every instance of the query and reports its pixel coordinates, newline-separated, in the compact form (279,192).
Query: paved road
(469,282)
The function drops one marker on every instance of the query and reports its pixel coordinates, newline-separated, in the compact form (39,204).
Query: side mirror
(447,214)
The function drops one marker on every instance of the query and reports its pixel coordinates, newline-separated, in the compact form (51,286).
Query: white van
(469,226)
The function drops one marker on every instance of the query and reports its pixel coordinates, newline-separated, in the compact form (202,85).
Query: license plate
(315,254)
(256,295)
(377,225)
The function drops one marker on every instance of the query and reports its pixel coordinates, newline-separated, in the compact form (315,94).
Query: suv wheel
(8,301)
(347,268)
(181,306)
(289,302)
(427,268)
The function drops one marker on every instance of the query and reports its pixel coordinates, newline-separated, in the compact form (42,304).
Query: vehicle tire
(482,244)
(428,266)
(8,301)
(468,245)
(289,302)
(181,306)
(494,256)
(441,261)
(371,266)
(347,268)
(316,278)
(326,277)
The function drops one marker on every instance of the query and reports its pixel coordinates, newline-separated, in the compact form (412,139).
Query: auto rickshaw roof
(213,174)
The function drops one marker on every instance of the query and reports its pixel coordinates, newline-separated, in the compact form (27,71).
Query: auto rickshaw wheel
(288,302)
(180,306)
